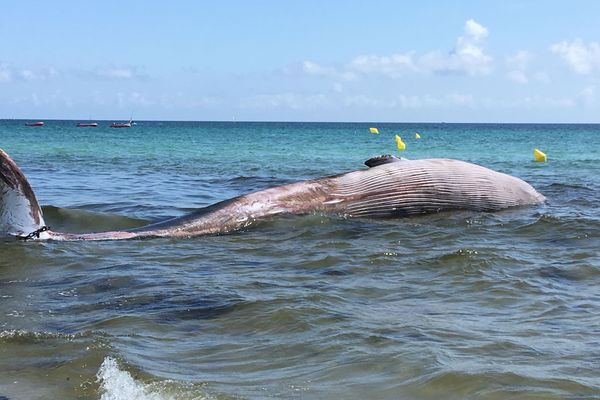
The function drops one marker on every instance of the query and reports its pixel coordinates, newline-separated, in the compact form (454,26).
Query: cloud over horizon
(11,73)
(582,58)
(119,73)
(468,57)
(518,64)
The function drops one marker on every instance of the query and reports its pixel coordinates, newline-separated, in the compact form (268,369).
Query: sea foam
(117,384)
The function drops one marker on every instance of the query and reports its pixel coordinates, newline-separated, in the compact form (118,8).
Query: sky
(327,60)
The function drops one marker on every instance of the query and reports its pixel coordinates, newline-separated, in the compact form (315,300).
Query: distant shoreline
(300,122)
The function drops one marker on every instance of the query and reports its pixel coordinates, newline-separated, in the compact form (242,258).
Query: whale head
(20,212)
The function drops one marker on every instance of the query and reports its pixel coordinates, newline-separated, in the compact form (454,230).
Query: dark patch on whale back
(382,159)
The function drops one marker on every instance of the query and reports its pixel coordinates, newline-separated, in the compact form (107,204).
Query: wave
(500,384)
(564,186)
(555,225)
(23,336)
(118,384)
(77,220)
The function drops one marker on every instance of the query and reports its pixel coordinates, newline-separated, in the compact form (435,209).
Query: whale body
(390,187)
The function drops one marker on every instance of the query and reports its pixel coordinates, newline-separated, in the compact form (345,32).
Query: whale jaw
(20,212)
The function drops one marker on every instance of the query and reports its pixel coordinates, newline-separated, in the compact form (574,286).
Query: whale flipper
(20,212)
(382,159)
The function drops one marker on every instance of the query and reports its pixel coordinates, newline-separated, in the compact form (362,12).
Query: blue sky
(452,61)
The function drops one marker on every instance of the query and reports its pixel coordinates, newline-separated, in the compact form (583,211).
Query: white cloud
(10,73)
(474,31)
(542,76)
(139,99)
(458,99)
(5,73)
(518,76)
(588,96)
(411,102)
(180,100)
(119,73)
(311,68)
(314,69)
(35,99)
(133,98)
(583,58)
(27,74)
(285,100)
(518,64)
(362,101)
(468,101)
(416,101)
(468,57)
(56,99)
(393,66)
(539,102)
(115,73)
(471,43)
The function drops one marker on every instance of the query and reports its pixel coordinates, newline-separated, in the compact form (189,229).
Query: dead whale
(390,187)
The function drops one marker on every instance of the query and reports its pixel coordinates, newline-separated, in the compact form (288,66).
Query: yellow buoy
(538,156)
(417,136)
(401,145)
(374,130)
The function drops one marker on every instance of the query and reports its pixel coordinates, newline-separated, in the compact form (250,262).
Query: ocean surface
(462,305)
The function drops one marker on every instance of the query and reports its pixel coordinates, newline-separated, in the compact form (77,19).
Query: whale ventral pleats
(382,159)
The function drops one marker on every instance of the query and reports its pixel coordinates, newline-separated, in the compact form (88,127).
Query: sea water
(453,305)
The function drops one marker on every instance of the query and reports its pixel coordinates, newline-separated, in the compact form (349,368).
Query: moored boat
(37,123)
(121,124)
(87,124)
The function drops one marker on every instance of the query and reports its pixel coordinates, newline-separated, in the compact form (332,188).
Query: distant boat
(87,124)
(122,124)
(37,123)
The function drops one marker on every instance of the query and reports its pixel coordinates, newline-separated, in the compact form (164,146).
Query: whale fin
(382,159)
(20,212)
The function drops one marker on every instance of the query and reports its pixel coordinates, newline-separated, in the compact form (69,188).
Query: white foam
(116,384)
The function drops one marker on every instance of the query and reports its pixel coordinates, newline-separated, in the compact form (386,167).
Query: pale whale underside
(390,188)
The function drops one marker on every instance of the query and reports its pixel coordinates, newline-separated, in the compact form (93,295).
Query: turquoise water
(458,305)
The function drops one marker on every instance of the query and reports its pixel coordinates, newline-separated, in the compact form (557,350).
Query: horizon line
(302,122)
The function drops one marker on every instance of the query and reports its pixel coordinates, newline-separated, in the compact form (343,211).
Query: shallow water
(455,305)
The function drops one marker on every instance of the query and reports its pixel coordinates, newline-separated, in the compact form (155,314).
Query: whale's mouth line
(390,188)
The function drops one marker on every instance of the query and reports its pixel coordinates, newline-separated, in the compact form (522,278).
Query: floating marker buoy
(417,136)
(374,130)
(538,156)
(401,145)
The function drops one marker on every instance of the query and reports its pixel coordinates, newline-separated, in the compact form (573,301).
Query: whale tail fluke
(20,212)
